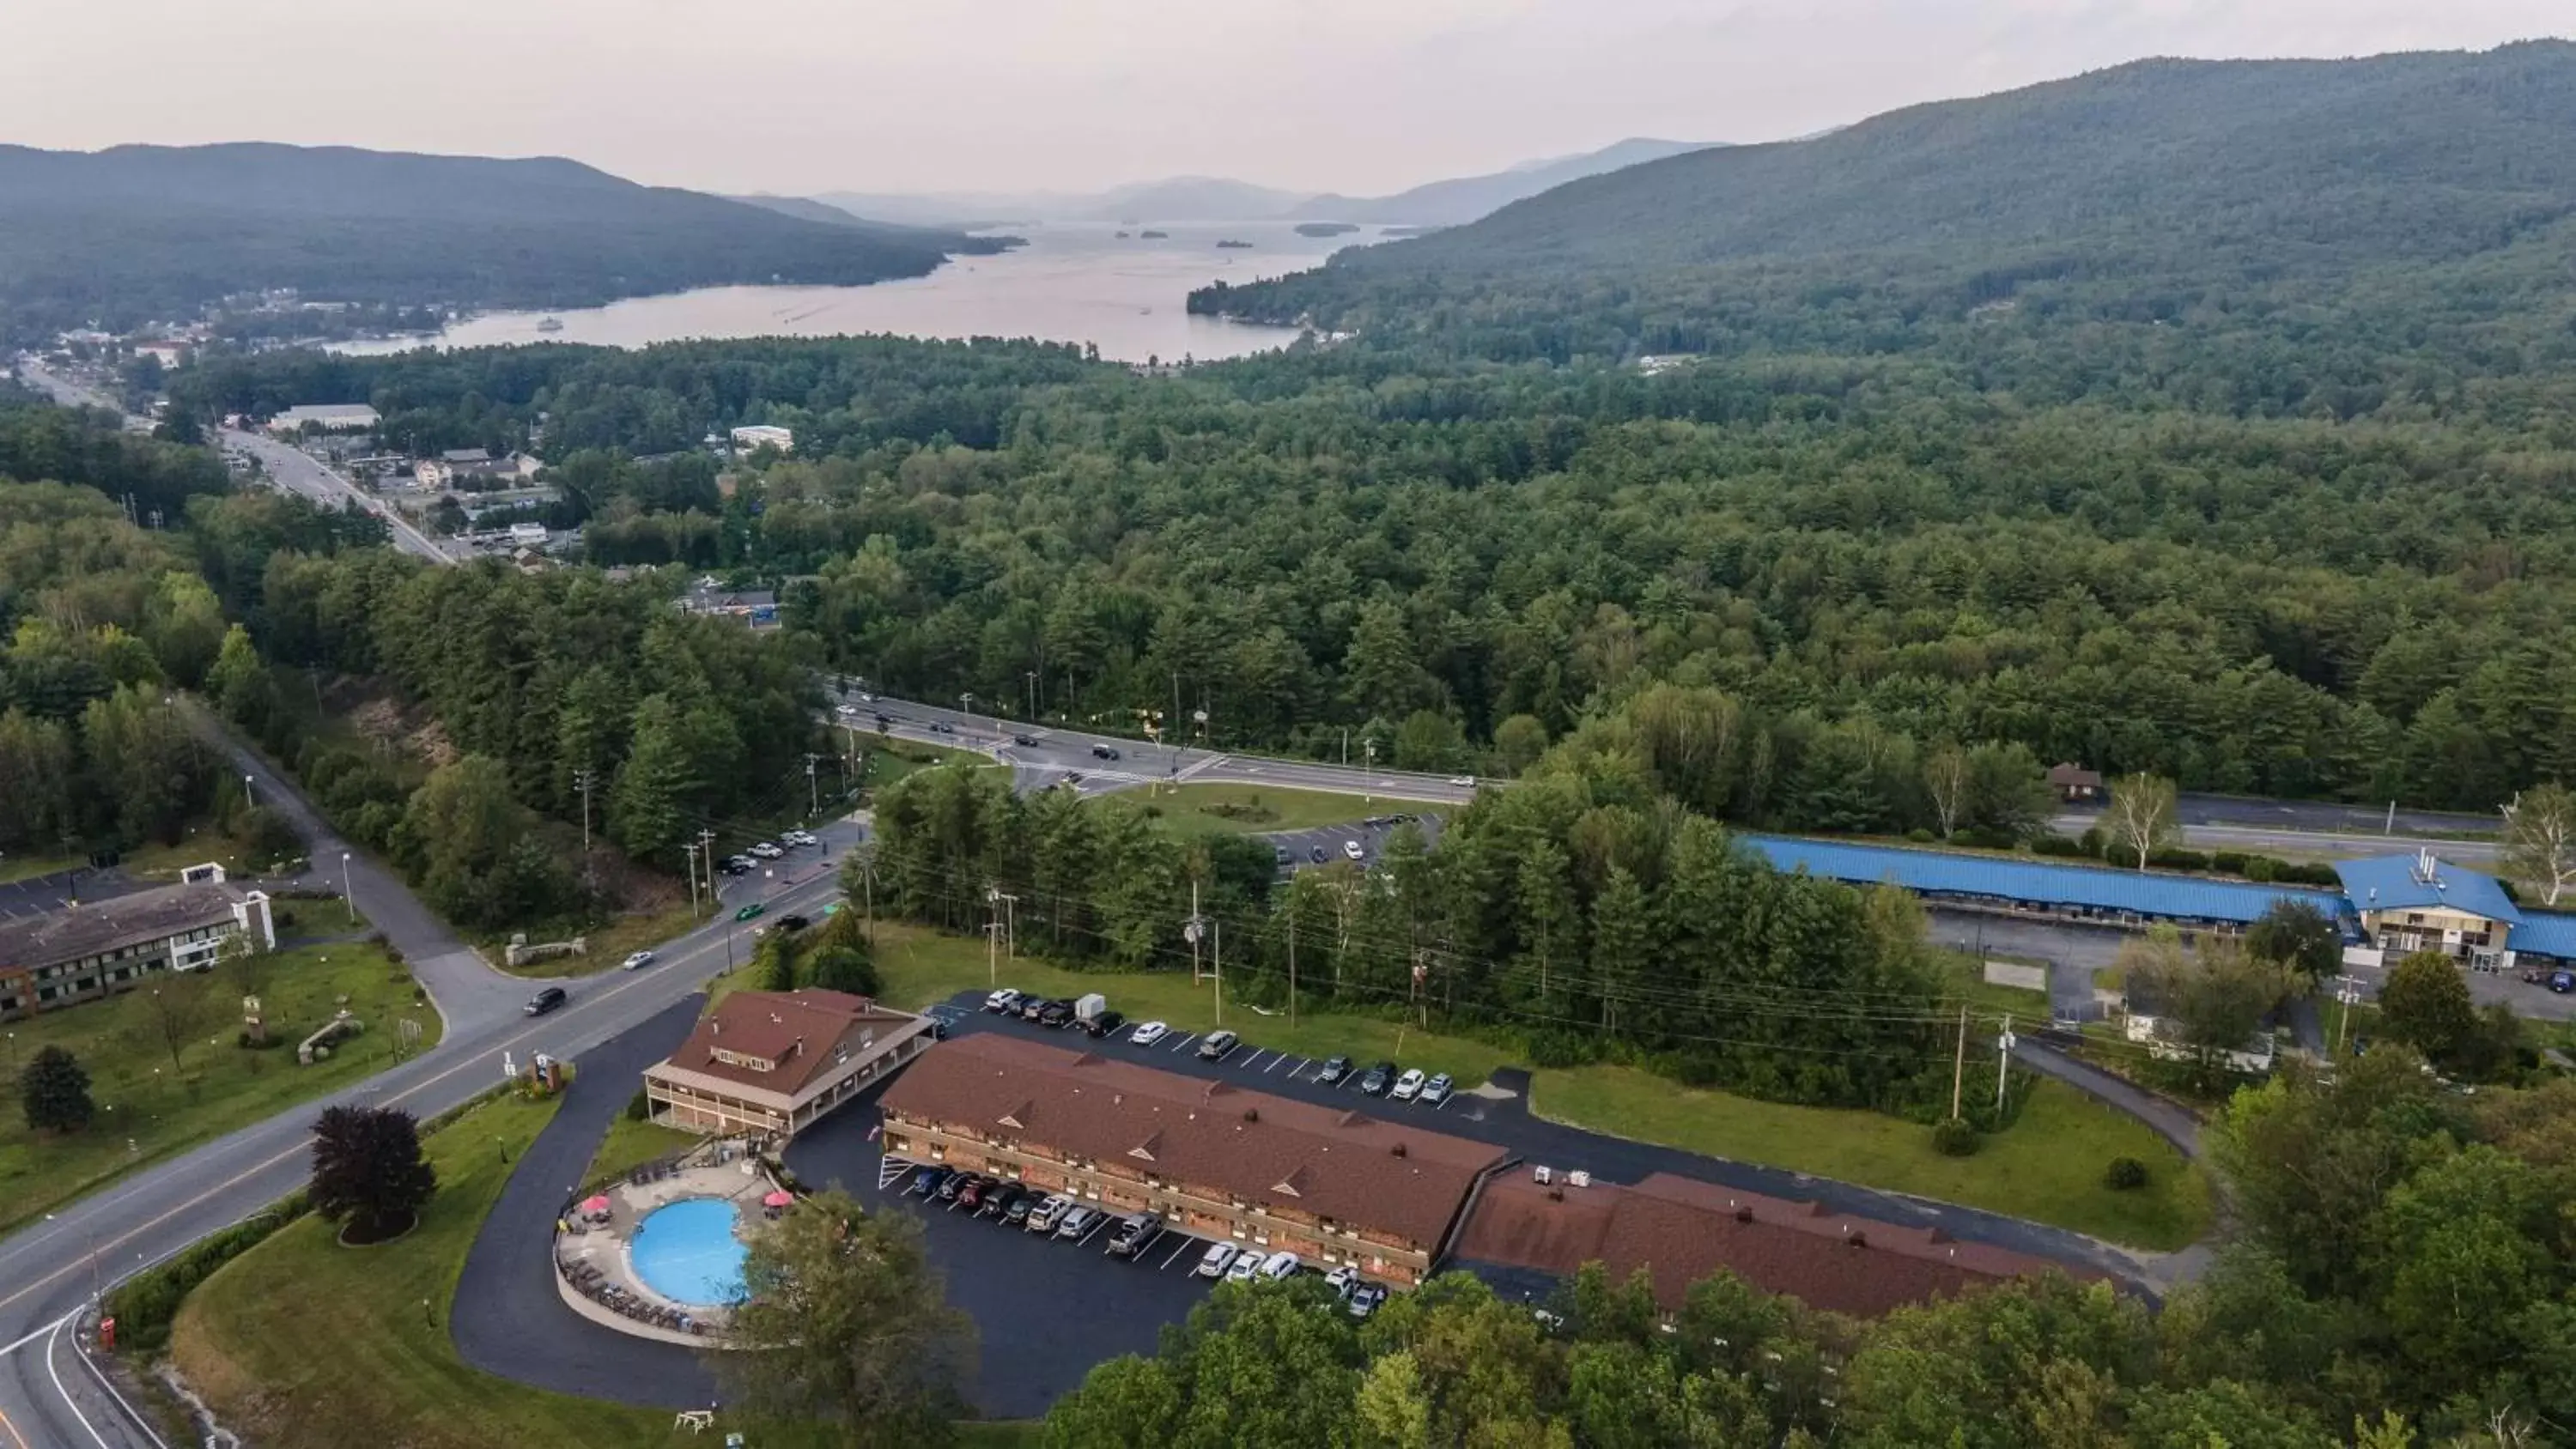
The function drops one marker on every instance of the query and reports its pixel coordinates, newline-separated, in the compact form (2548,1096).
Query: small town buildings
(772,1063)
(756,607)
(476,469)
(759,435)
(1333,1185)
(2075,784)
(330,417)
(93,949)
(1681,1230)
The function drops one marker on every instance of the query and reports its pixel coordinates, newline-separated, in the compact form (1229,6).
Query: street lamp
(348,894)
(250,795)
(966,706)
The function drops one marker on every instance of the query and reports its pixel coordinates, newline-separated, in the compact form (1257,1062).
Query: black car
(738,865)
(1319,855)
(1335,1069)
(1105,1023)
(883,721)
(793,923)
(997,1203)
(1025,741)
(1017,1213)
(1104,752)
(1379,1079)
(1056,1014)
(942,727)
(545,1001)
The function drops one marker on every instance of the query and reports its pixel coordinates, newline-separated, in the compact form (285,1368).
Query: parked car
(955,1184)
(1135,1234)
(765,850)
(1105,1023)
(1282,855)
(749,911)
(1247,1266)
(1218,1258)
(1049,1211)
(1436,1091)
(799,838)
(739,865)
(1104,752)
(546,1000)
(1378,1079)
(1216,1044)
(1282,1264)
(928,1181)
(999,1200)
(1148,1034)
(636,961)
(1030,1006)
(1319,855)
(1056,1014)
(1017,1214)
(1365,1298)
(2562,982)
(1004,999)
(1335,1068)
(1354,850)
(1342,1280)
(973,1192)
(1077,1221)
(1409,1086)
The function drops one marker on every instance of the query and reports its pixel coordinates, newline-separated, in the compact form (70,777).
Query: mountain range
(1207,198)
(2133,193)
(139,232)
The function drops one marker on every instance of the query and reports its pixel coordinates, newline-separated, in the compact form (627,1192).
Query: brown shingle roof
(1250,1146)
(1681,1230)
(795,1030)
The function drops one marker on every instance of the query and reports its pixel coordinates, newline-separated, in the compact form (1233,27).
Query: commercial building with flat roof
(84,952)
(1681,1230)
(331,417)
(772,1063)
(1334,1186)
(2103,895)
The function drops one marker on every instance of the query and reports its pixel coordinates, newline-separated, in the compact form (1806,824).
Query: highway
(50,1398)
(294,471)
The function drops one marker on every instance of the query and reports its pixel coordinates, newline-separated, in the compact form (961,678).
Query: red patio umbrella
(597,1204)
(780,1198)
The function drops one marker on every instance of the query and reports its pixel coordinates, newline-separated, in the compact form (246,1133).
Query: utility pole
(865,853)
(1292,966)
(1032,676)
(707,843)
(1369,747)
(1220,972)
(993,935)
(2003,1059)
(1959,1063)
(2391,827)
(1191,930)
(2347,993)
(813,801)
(690,853)
(581,781)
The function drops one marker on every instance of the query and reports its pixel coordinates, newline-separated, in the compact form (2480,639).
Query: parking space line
(1230,1051)
(1185,1041)
(1183,1246)
(1283,1056)
(1253,1060)
(1094,1231)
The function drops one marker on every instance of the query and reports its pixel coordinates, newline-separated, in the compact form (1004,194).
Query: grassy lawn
(216,1086)
(1251,809)
(1967,984)
(14,868)
(303,1344)
(162,863)
(920,967)
(632,1144)
(2047,1167)
(891,759)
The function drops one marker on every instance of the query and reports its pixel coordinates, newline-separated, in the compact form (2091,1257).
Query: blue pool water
(686,1251)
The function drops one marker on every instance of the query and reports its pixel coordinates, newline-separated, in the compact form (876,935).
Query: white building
(334,418)
(747,438)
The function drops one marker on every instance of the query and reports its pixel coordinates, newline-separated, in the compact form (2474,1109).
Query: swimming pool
(686,1251)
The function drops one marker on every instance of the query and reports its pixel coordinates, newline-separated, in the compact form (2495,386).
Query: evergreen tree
(53,1088)
(368,1171)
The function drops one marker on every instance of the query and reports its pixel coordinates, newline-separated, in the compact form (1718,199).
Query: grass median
(2047,1167)
(153,1101)
(303,1344)
(1253,809)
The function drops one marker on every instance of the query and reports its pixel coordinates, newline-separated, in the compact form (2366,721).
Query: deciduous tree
(368,1171)
(2139,821)
(2540,838)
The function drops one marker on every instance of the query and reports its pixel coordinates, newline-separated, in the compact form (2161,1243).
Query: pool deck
(595,1263)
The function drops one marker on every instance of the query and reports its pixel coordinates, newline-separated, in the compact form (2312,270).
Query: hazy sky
(1360,96)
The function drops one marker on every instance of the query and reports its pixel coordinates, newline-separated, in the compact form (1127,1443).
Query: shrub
(1985,839)
(1921,836)
(2091,841)
(639,1106)
(2056,845)
(2262,868)
(2230,862)
(1956,1137)
(2125,1174)
(2178,859)
(144,1304)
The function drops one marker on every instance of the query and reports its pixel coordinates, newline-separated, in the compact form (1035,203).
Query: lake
(1073,282)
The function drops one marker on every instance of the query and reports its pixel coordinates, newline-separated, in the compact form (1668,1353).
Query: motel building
(771,1063)
(1334,1186)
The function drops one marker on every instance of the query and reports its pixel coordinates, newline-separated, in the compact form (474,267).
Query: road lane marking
(14,1436)
(65,1394)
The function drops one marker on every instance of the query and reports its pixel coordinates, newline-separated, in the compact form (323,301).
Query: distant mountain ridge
(136,232)
(1205,198)
(2141,188)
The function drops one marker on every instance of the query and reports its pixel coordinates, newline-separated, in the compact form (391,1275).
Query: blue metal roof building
(2095,891)
(2546,933)
(2421,882)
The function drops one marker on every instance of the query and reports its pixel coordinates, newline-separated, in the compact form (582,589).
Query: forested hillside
(2135,219)
(121,236)
(1868,557)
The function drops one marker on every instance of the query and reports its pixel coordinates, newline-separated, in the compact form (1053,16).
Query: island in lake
(1154,235)
(1230,243)
(1325,228)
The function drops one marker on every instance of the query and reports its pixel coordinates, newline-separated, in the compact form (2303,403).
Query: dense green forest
(1853,550)
(2398,1281)
(118,237)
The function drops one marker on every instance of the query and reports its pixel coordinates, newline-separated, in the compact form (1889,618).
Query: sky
(1362,97)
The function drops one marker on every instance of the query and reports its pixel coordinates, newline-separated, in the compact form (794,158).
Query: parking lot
(1301,845)
(1045,1310)
(42,894)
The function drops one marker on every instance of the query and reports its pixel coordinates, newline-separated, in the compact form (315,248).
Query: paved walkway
(2171,1121)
